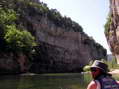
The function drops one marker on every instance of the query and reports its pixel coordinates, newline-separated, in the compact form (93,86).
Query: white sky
(90,14)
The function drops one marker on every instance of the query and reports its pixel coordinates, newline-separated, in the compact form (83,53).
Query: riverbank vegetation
(112,64)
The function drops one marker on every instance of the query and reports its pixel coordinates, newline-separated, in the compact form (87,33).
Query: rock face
(66,50)
(63,46)
(112,33)
(67,53)
(12,64)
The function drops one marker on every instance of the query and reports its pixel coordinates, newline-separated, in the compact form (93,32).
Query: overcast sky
(90,14)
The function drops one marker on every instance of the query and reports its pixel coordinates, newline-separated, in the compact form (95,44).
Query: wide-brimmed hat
(101,65)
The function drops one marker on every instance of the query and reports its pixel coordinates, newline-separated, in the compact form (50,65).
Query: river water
(45,81)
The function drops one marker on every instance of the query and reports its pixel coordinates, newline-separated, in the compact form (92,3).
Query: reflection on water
(45,81)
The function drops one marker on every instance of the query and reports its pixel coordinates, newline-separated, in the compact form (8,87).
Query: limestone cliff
(63,46)
(66,46)
(112,28)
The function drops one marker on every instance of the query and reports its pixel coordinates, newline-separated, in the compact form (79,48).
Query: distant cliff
(62,44)
(112,28)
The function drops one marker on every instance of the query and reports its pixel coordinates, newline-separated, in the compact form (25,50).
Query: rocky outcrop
(13,64)
(66,49)
(55,58)
(62,44)
(112,28)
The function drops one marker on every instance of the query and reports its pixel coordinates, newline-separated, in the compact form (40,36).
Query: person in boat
(102,79)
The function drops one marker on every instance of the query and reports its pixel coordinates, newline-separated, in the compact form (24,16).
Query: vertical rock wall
(62,44)
(112,33)
(77,47)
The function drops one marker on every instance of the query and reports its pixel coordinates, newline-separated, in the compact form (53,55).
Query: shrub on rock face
(16,39)
(107,25)
(19,40)
(7,16)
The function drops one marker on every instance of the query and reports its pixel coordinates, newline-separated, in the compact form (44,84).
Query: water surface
(46,81)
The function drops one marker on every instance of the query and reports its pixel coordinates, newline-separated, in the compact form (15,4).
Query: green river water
(45,81)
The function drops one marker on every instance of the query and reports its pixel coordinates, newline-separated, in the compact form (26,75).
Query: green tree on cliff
(7,17)
(19,41)
(107,24)
(12,38)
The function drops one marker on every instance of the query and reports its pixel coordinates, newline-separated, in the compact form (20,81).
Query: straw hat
(101,65)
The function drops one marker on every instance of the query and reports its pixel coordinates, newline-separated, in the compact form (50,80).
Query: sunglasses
(93,69)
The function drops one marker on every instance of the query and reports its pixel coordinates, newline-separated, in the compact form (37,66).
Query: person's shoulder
(92,85)
(118,82)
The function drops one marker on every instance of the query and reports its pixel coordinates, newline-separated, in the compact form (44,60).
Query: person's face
(95,72)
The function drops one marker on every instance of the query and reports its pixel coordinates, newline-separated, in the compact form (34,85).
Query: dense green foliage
(19,40)
(108,23)
(7,16)
(14,39)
